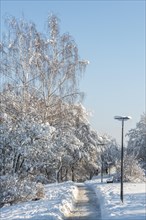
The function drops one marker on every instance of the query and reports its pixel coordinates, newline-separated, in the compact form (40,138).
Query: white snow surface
(133,206)
(59,200)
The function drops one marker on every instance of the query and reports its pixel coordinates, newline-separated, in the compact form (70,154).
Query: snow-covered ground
(133,207)
(59,198)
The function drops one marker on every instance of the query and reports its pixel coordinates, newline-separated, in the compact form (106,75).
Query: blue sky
(111,35)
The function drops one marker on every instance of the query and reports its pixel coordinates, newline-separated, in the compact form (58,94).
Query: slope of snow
(58,199)
(133,207)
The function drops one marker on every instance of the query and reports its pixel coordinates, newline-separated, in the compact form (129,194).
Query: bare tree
(43,66)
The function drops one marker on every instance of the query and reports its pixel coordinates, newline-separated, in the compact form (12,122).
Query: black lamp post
(122,119)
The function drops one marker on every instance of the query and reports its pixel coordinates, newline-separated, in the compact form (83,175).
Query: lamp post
(122,119)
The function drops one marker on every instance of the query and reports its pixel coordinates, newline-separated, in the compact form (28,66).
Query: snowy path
(86,205)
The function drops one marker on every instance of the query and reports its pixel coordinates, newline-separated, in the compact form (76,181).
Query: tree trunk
(58,173)
(66,175)
(72,174)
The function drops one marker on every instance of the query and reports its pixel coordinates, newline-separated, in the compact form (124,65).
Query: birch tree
(46,66)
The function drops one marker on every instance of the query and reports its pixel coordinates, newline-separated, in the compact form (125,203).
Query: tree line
(45,135)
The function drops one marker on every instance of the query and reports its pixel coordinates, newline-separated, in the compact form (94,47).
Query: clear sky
(111,35)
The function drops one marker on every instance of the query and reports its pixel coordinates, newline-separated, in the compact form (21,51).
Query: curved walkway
(86,205)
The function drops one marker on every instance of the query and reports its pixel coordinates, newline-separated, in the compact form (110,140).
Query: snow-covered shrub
(137,140)
(132,171)
(14,190)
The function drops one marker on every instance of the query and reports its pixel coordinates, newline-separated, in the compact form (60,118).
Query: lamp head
(122,118)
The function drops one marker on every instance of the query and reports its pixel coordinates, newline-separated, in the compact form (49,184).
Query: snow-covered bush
(137,140)
(14,189)
(132,171)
